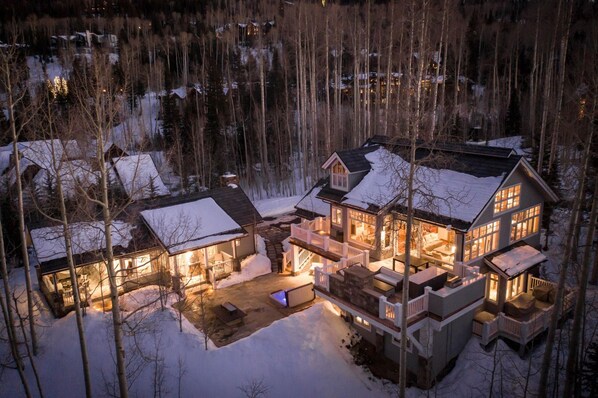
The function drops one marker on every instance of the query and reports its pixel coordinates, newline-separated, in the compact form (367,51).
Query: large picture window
(339,177)
(363,227)
(336,216)
(507,198)
(525,223)
(481,240)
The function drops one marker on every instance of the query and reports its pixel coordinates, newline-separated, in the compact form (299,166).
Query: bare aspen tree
(9,316)
(98,106)
(16,91)
(572,375)
(574,219)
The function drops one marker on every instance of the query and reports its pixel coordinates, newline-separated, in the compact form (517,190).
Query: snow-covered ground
(276,206)
(251,267)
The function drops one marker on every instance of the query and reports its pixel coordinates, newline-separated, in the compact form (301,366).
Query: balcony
(522,330)
(376,296)
(315,236)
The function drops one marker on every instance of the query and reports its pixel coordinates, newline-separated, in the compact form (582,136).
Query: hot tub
(293,297)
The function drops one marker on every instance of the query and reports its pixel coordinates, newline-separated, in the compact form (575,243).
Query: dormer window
(339,177)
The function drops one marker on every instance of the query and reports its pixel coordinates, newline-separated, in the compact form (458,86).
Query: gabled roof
(455,182)
(514,260)
(192,225)
(353,159)
(138,175)
(231,199)
(88,243)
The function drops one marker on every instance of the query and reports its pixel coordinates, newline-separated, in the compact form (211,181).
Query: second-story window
(481,240)
(525,223)
(336,216)
(339,177)
(507,198)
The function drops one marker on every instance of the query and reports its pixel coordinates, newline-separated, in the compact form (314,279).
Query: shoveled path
(274,230)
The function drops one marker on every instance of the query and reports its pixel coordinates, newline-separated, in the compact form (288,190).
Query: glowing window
(336,216)
(515,286)
(481,240)
(363,227)
(525,223)
(339,177)
(493,287)
(362,322)
(507,198)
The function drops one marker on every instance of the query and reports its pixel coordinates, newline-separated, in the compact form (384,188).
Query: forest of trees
(269,88)
(301,79)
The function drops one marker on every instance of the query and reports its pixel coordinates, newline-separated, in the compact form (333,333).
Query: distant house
(139,177)
(474,248)
(183,241)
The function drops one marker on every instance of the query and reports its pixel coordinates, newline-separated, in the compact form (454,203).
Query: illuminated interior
(493,287)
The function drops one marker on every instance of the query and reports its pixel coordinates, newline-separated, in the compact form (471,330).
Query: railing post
(345,249)
(398,314)
(366,258)
(427,291)
(382,307)
(309,233)
(326,243)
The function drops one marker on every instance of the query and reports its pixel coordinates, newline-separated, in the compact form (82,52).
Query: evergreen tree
(513,119)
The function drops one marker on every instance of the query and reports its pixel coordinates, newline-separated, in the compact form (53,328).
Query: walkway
(274,230)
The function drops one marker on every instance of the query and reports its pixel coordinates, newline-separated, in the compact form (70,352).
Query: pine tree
(513,119)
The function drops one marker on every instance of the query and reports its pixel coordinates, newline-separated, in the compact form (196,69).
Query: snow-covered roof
(192,225)
(138,175)
(313,205)
(443,192)
(73,173)
(85,237)
(515,259)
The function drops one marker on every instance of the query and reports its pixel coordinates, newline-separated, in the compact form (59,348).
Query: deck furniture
(434,277)
(520,306)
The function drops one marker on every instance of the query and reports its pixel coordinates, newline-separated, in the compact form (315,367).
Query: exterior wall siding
(530,196)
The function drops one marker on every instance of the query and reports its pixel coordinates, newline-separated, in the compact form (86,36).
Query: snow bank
(276,206)
(252,267)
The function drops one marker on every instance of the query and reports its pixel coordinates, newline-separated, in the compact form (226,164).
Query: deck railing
(307,233)
(393,311)
(522,332)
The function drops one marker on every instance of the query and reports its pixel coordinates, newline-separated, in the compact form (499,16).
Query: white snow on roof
(136,173)
(74,174)
(192,225)
(85,237)
(311,203)
(443,192)
(518,259)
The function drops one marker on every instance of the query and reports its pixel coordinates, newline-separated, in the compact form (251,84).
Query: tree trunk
(572,375)
(574,219)
(9,317)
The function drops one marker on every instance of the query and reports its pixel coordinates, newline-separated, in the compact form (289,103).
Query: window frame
(337,178)
(516,233)
(339,215)
(364,217)
(480,236)
(519,281)
(504,199)
(362,323)
(493,279)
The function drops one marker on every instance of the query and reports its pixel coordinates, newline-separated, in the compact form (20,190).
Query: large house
(474,264)
(182,241)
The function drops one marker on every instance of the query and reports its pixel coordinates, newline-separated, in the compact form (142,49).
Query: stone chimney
(228,179)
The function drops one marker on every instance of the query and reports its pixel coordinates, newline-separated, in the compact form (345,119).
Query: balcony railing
(394,311)
(316,233)
(523,332)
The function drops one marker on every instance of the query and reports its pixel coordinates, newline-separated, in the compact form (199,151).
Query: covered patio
(200,239)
